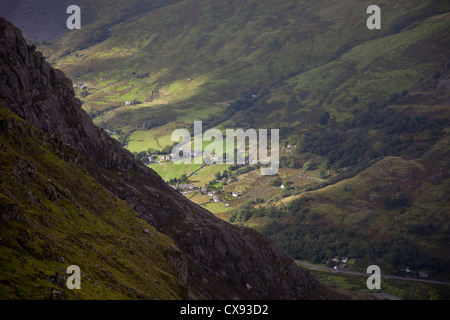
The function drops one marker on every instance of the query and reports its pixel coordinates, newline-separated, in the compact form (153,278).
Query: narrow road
(387,276)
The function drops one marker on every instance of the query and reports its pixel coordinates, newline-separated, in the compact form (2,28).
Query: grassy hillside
(366,112)
(390,210)
(286,68)
(393,214)
(54,215)
(182,59)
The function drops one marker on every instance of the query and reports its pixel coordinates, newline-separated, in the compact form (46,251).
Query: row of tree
(308,235)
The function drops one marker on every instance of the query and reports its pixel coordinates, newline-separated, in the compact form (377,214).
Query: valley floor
(353,284)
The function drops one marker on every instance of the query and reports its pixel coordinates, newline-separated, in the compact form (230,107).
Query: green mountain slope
(225,47)
(374,187)
(54,215)
(352,102)
(393,214)
(372,73)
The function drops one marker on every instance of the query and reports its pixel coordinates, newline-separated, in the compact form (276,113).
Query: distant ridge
(40,21)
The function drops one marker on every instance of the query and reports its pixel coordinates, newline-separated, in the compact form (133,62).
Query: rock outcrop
(223,261)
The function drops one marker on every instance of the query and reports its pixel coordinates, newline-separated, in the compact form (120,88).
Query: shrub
(400,201)
(324,118)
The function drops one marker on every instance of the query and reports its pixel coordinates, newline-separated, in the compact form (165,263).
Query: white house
(211,193)
(186,186)
(423,274)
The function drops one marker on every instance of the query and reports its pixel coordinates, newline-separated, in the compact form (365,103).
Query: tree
(183,178)
(326,164)
(324,118)
(322,174)
(152,151)
(436,75)
(291,163)
(275,182)
(307,165)
(167,149)
(84,93)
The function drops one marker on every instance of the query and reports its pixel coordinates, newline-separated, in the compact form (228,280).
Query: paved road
(387,276)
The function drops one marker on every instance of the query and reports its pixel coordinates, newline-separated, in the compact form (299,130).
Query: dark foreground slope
(222,261)
(53,215)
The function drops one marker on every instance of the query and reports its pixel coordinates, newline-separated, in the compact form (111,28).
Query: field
(142,141)
(170,170)
(206,174)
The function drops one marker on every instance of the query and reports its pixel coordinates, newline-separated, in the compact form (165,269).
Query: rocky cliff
(222,261)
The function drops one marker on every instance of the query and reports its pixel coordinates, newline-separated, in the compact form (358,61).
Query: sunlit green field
(170,170)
